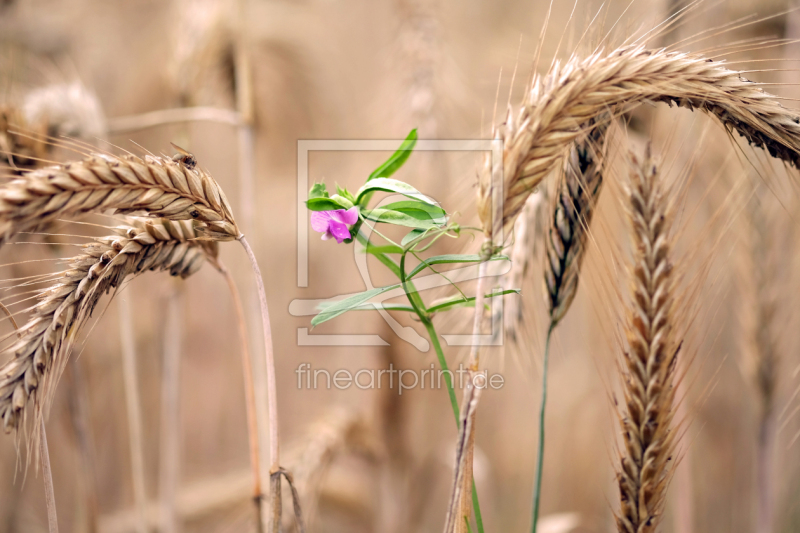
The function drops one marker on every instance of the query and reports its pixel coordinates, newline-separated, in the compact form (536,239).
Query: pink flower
(334,223)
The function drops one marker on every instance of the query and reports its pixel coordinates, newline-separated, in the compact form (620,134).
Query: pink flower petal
(350,216)
(339,231)
(320,220)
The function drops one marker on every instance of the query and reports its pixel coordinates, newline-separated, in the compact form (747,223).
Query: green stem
(443,364)
(428,323)
(537,491)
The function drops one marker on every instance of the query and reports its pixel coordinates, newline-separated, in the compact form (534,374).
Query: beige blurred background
(376,461)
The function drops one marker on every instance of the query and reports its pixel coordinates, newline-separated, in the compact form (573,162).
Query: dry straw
(39,356)
(558,107)
(650,360)
(158,186)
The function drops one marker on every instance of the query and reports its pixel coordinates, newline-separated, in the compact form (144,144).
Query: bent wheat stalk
(157,186)
(558,106)
(41,353)
(650,360)
(576,197)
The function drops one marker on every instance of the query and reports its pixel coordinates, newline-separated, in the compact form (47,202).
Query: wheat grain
(649,362)
(41,352)
(558,107)
(157,186)
(578,191)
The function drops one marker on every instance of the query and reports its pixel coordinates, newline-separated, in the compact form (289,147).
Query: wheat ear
(41,353)
(649,361)
(578,191)
(160,187)
(575,199)
(558,107)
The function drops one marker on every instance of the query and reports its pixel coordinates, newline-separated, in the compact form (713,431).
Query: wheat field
(619,180)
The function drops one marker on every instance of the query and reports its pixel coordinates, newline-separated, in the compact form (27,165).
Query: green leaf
(385,249)
(397,159)
(322,204)
(386,307)
(397,218)
(411,236)
(318,190)
(342,306)
(390,185)
(419,210)
(451,258)
(459,301)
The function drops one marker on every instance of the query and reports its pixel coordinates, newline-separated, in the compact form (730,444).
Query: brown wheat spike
(158,186)
(577,194)
(558,107)
(41,352)
(649,362)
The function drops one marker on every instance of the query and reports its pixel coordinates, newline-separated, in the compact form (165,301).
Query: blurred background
(373,460)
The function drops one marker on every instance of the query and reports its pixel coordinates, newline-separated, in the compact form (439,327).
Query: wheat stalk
(576,197)
(558,107)
(578,191)
(41,352)
(649,362)
(157,186)
(759,283)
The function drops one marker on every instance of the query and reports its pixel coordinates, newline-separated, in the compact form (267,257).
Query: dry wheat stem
(272,395)
(254,435)
(759,281)
(157,186)
(133,410)
(49,491)
(29,379)
(650,360)
(458,509)
(558,107)
(575,199)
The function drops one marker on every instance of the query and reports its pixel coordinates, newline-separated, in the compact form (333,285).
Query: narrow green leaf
(342,306)
(397,218)
(411,235)
(397,159)
(451,258)
(385,249)
(420,210)
(459,301)
(386,307)
(390,185)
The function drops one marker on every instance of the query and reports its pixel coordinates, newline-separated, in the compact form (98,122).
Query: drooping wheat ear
(28,380)
(558,106)
(575,199)
(20,152)
(157,186)
(649,362)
